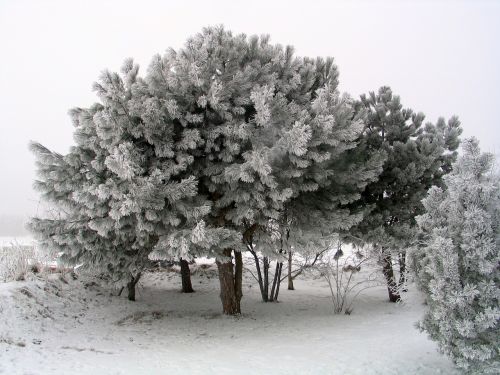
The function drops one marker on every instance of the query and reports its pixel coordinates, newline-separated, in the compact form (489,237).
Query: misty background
(441,57)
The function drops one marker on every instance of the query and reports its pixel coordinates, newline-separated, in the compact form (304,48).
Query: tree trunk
(259,276)
(389,277)
(402,272)
(238,276)
(187,287)
(273,287)
(263,278)
(229,298)
(290,279)
(276,282)
(131,286)
(266,279)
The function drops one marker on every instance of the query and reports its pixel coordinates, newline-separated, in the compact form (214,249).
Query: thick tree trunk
(290,279)
(229,298)
(402,272)
(389,277)
(238,276)
(266,279)
(187,287)
(131,286)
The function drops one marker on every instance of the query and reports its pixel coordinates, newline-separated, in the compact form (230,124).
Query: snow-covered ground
(66,326)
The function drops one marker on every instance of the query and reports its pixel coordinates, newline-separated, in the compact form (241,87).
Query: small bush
(345,278)
(17,261)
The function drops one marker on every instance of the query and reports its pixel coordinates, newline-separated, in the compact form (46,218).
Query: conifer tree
(460,262)
(119,189)
(271,127)
(221,139)
(417,158)
(320,207)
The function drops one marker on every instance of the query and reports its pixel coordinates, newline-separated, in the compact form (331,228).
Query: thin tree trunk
(266,279)
(131,286)
(290,278)
(229,299)
(402,272)
(187,287)
(259,276)
(273,287)
(389,277)
(277,281)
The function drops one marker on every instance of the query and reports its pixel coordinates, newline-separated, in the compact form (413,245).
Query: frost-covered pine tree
(316,216)
(269,127)
(417,157)
(460,263)
(322,188)
(122,186)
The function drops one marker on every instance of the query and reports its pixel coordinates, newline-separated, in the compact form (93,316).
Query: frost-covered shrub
(459,263)
(16,261)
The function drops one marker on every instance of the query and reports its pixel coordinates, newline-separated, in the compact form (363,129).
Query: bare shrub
(17,261)
(347,275)
(301,263)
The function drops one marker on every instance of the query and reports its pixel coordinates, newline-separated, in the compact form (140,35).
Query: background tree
(417,158)
(459,262)
(318,207)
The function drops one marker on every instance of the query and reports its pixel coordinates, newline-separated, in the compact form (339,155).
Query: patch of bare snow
(61,326)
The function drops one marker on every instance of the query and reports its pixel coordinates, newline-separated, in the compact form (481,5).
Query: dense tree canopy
(232,143)
(219,140)
(270,134)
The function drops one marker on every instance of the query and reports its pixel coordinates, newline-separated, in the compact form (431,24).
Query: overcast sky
(441,57)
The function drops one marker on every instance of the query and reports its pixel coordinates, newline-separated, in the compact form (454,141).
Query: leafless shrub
(17,261)
(347,276)
(301,263)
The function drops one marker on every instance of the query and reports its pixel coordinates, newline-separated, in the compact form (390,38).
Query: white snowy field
(61,326)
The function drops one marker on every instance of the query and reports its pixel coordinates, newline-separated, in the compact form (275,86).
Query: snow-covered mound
(30,308)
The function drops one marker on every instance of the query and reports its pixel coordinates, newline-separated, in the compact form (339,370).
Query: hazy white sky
(441,57)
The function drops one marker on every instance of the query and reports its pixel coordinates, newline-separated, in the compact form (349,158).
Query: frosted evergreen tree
(460,263)
(270,126)
(119,189)
(316,217)
(417,158)
(318,207)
